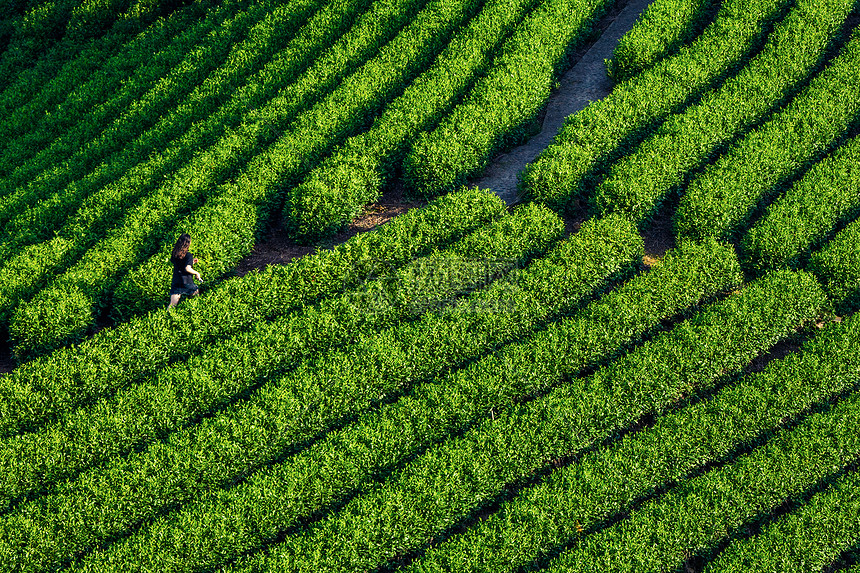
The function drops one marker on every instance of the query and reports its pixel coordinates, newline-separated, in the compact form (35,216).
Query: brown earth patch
(278,248)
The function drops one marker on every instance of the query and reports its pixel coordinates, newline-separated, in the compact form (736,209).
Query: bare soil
(277,248)
(585,81)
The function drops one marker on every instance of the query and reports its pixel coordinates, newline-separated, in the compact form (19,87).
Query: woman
(182,283)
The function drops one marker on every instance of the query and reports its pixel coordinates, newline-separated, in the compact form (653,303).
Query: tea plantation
(470,386)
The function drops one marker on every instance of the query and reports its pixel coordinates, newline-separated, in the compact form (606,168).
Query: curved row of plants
(721,201)
(333,469)
(101,97)
(90,205)
(183,393)
(808,214)
(659,31)
(501,108)
(579,499)
(311,399)
(421,500)
(52,386)
(639,182)
(355,174)
(244,206)
(68,307)
(786,544)
(604,131)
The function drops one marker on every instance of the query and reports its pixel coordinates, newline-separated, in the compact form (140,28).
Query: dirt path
(584,82)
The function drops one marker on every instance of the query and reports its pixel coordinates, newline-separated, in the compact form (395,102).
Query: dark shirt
(181,277)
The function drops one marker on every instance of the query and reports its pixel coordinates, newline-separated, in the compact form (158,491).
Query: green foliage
(243,207)
(721,201)
(355,174)
(638,183)
(660,30)
(151,224)
(808,213)
(54,385)
(809,539)
(565,171)
(46,83)
(423,499)
(182,393)
(501,107)
(102,210)
(170,74)
(578,498)
(700,512)
(837,265)
(335,387)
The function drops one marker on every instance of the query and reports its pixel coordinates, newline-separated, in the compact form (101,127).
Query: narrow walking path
(584,82)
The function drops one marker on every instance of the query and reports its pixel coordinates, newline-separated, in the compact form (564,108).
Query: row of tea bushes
(809,539)
(606,129)
(356,173)
(660,30)
(721,201)
(314,398)
(638,183)
(502,106)
(576,500)
(837,265)
(697,514)
(86,289)
(451,482)
(280,496)
(226,229)
(51,386)
(808,213)
(184,392)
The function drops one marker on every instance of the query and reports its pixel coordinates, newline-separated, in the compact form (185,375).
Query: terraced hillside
(470,386)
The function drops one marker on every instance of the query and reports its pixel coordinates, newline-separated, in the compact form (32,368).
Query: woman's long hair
(180,249)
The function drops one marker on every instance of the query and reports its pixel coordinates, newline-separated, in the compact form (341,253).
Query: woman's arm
(188,269)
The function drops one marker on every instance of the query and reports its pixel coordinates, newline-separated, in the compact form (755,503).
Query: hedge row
(566,170)
(837,265)
(217,104)
(244,207)
(276,498)
(722,200)
(806,216)
(659,31)
(60,28)
(638,183)
(502,106)
(85,82)
(48,387)
(356,173)
(700,513)
(188,390)
(86,288)
(421,500)
(98,99)
(102,210)
(607,482)
(288,412)
(808,539)
(92,138)
(30,71)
